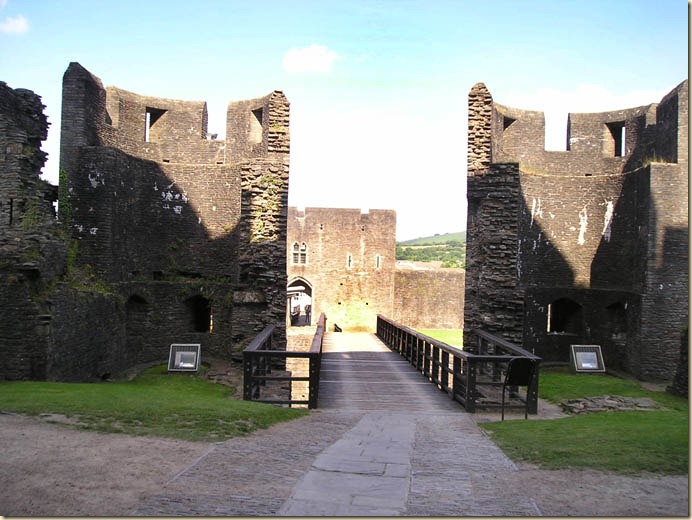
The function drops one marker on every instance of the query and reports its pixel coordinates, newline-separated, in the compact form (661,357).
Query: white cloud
(16,25)
(315,58)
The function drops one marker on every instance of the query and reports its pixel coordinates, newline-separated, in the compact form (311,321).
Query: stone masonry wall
(87,336)
(429,299)
(26,200)
(665,302)
(349,265)
(493,301)
(179,222)
(165,235)
(264,211)
(32,252)
(600,229)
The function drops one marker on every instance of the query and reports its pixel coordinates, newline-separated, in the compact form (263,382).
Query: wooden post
(444,370)
(456,376)
(247,376)
(313,386)
(471,388)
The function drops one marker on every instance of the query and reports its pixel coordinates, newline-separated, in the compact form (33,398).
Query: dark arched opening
(136,310)
(199,313)
(616,315)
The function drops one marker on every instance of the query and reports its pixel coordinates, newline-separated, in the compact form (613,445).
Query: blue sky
(378,88)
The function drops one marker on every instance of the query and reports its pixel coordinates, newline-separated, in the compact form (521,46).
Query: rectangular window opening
(618,133)
(556,138)
(256,126)
(151,116)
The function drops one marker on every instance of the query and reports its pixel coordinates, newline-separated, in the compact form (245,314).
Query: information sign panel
(587,358)
(184,357)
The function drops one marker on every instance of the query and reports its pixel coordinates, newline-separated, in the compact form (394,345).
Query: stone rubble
(609,403)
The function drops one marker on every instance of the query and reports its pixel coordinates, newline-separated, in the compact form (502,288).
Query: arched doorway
(299,302)
(198,313)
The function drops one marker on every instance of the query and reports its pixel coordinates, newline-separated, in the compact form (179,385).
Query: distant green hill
(448,248)
(436,239)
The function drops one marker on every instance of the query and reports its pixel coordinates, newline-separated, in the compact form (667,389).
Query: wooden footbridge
(360,373)
(397,368)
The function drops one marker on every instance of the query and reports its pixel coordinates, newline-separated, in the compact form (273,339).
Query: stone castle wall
(349,264)
(166,235)
(32,254)
(350,271)
(580,246)
(430,299)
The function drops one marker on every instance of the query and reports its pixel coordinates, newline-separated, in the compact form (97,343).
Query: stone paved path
(383,443)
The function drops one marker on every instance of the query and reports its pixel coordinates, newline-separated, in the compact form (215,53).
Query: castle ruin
(345,262)
(584,246)
(166,235)
(169,235)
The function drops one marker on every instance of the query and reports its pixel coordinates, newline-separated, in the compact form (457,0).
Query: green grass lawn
(182,406)
(623,442)
(453,337)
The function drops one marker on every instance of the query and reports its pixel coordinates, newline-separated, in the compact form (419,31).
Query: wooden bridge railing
(472,377)
(257,366)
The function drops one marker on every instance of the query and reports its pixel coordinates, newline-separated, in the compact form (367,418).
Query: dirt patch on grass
(589,493)
(51,469)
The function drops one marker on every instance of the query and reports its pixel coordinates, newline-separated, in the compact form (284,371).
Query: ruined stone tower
(167,235)
(585,246)
(191,230)
(32,252)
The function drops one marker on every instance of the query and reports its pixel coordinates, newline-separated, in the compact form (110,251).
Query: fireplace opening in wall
(564,317)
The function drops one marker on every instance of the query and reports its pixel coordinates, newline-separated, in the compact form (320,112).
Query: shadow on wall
(185,228)
(590,248)
(138,229)
(597,246)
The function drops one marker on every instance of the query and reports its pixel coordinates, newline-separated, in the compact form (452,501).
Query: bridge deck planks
(359,373)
